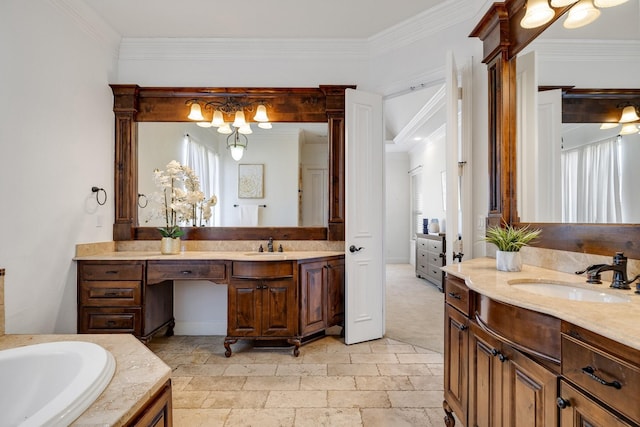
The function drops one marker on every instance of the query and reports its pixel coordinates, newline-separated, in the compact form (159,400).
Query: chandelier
(628,119)
(582,12)
(237,129)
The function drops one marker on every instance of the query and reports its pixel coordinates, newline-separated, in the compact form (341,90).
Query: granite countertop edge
(617,321)
(209,255)
(139,375)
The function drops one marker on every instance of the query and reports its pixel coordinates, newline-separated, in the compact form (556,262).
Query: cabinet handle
(110,294)
(185,272)
(591,373)
(562,403)
(111,272)
(502,357)
(454,295)
(111,322)
(461,327)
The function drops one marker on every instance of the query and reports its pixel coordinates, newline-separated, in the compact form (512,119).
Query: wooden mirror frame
(133,104)
(503,38)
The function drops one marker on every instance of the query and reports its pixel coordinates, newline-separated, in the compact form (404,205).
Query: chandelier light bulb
(218,119)
(196,112)
(629,128)
(245,130)
(204,124)
(604,126)
(261,114)
(225,129)
(236,152)
(265,125)
(583,13)
(239,119)
(538,13)
(629,115)
(608,3)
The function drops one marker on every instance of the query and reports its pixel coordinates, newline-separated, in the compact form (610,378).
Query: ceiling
(291,19)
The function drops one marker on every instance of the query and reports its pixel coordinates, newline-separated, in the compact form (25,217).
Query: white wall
(56,142)
(58,70)
(397,225)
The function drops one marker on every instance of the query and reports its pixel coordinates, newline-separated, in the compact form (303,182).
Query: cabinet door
(243,318)
(577,410)
(530,392)
(456,363)
(485,379)
(335,292)
(313,297)
(279,309)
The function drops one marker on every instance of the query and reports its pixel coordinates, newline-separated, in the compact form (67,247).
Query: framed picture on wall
(251,181)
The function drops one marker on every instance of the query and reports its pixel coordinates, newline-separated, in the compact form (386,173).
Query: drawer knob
(110,294)
(562,403)
(185,272)
(591,373)
(454,295)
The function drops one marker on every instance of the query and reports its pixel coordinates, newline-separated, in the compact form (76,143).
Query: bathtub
(51,384)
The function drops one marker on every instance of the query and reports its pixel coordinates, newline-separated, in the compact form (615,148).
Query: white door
(458,153)
(314,196)
(364,217)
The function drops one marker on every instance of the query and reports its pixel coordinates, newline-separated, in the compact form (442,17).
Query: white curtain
(591,183)
(204,162)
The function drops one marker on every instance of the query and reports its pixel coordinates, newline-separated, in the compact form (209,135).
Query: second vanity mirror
(569,169)
(503,38)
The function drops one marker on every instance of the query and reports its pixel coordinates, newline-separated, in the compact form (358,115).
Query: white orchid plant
(180,200)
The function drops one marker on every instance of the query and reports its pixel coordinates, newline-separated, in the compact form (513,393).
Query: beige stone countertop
(138,376)
(210,255)
(618,321)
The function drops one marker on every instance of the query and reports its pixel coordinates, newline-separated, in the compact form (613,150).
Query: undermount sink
(567,291)
(267,255)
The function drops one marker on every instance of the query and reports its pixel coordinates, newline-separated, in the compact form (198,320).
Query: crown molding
(435,103)
(574,50)
(219,48)
(422,26)
(90,23)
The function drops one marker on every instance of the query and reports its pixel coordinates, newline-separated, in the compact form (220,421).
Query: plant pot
(508,261)
(170,245)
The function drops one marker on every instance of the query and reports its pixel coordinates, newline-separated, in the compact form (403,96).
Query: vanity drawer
(159,271)
(110,320)
(435,273)
(612,380)
(262,269)
(111,271)
(456,293)
(103,293)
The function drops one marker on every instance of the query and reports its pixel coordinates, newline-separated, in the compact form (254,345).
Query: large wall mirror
(300,159)
(503,39)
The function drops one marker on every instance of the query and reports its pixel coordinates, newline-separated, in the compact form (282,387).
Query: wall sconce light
(537,14)
(629,128)
(608,3)
(581,14)
(629,115)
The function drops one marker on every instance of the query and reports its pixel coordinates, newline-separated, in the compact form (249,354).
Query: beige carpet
(414,309)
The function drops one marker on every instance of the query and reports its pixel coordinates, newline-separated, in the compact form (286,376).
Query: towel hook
(141,198)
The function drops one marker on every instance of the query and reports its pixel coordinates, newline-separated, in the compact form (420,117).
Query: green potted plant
(509,240)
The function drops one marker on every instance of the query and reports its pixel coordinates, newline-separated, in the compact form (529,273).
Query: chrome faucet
(619,269)
(270,245)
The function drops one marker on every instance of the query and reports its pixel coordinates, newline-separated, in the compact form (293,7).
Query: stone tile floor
(395,381)
(377,383)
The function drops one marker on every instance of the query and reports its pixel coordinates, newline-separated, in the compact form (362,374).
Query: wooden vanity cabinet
(601,380)
(157,412)
(262,302)
(321,295)
(490,380)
